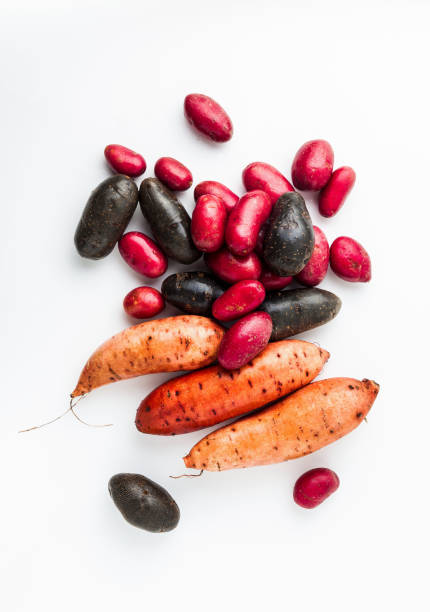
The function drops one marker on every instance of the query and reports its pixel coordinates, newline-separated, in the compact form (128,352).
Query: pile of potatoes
(254,246)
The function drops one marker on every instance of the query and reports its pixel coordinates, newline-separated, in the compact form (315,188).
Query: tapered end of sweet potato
(188,461)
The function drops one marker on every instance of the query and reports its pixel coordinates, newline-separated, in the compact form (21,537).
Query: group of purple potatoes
(214,230)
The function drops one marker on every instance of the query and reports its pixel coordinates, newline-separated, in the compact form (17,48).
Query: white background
(77,76)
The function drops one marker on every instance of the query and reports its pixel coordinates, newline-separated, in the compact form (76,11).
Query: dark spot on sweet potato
(177,393)
(264,390)
(207,442)
(213,411)
(331,431)
(148,409)
(250,383)
(200,386)
(359,415)
(278,355)
(351,387)
(178,420)
(168,394)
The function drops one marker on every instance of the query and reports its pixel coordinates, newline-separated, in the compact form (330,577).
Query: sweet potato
(165,345)
(207,397)
(300,424)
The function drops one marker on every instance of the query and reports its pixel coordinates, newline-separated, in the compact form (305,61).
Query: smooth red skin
(142,254)
(208,223)
(273,282)
(313,487)
(240,299)
(312,165)
(350,261)
(259,175)
(143,303)
(316,268)
(232,269)
(124,161)
(208,117)
(334,194)
(245,340)
(228,198)
(245,221)
(173,174)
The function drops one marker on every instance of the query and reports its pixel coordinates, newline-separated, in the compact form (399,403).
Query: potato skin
(232,269)
(208,117)
(334,194)
(124,160)
(143,303)
(192,292)
(238,300)
(105,217)
(302,423)
(207,397)
(142,254)
(314,486)
(312,165)
(350,261)
(289,239)
(208,223)
(260,175)
(245,221)
(169,221)
(273,282)
(227,197)
(164,345)
(245,340)
(144,503)
(315,270)
(296,310)
(173,174)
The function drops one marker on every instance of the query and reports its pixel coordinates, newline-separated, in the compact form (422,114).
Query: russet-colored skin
(302,423)
(207,397)
(165,345)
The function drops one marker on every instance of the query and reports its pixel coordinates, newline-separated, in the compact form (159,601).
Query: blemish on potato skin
(359,415)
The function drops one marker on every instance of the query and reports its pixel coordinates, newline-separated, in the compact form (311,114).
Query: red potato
(259,175)
(245,340)
(350,261)
(142,254)
(240,299)
(273,282)
(232,269)
(312,165)
(313,487)
(208,117)
(302,423)
(207,397)
(334,194)
(227,197)
(124,161)
(316,268)
(173,174)
(245,221)
(143,302)
(186,342)
(208,223)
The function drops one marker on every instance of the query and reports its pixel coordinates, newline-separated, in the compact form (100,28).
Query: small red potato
(350,261)
(245,340)
(316,268)
(240,299)
(259,175)
(208,223)
(142,254)
(232,269)
(245,221)
(273,282)
(334,194)
(208,117)
(313,487)
(124,161)
(143,303)
(312,165)
(173,174)
(227,197)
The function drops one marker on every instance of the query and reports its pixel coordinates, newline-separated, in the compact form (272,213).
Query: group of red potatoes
(230,231)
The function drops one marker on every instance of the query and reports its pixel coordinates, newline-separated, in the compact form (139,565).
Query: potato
(192,292)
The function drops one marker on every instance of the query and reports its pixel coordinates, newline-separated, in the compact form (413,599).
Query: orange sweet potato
(185,342)
(300,424)
(207,397)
